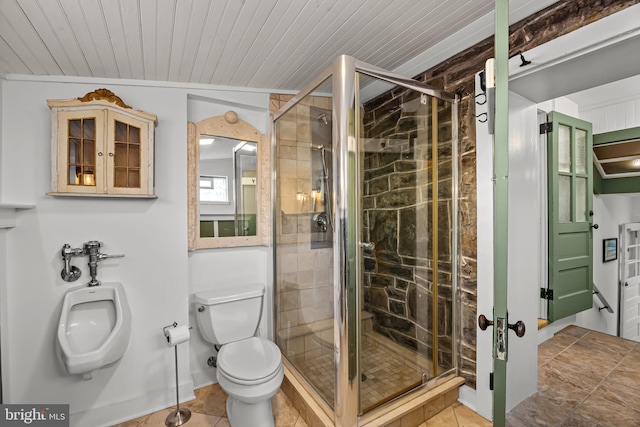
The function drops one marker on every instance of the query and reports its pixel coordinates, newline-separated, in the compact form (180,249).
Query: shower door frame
(347,206)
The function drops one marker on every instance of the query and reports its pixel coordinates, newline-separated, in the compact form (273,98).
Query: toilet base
(242,414)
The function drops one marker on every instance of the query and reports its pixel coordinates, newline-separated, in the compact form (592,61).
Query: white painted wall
(524,255)
(482,398)
(211,268)
(611,107)
(524,273)
(609,211)
(158,273)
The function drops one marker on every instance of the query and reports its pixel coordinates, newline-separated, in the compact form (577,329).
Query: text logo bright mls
(34,415)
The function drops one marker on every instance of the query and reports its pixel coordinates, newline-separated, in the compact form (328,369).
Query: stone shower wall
(457,75)
(397,218)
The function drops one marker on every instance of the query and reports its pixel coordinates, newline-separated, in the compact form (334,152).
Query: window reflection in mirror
(227,181)
(229,184)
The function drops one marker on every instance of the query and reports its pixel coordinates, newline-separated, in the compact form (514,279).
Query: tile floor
(385,374)
(209,410)
(585,379)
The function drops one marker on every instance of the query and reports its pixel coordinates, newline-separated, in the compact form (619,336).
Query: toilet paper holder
(180,415)
(173,325)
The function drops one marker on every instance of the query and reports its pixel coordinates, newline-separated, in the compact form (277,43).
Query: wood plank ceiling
(275,44)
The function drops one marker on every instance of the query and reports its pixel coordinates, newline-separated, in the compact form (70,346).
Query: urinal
(94,327)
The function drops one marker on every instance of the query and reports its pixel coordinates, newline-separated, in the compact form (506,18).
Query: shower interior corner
(404,176)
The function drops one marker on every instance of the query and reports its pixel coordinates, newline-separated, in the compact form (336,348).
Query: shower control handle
(368,245)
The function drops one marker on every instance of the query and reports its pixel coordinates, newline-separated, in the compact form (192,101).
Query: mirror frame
(229,126)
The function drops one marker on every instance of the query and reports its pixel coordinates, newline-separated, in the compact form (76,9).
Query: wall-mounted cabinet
(101,147)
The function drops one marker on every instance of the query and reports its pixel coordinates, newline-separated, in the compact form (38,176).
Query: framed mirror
(228,184)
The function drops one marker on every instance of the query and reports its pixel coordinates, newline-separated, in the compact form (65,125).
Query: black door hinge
(546,128)
(491,381)
(546,293)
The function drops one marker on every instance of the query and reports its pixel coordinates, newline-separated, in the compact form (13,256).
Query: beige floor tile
(576,331)
(468,418)
(549,349)
(446,418)
(610,341)
(283,412)
(540,411)
(210,400)
(224,422)
(578,421)
(607,410)
(202,420)
(151,420)
(568,388)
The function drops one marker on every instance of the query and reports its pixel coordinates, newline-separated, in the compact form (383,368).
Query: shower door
(365,233)
(303,236)
(407,177)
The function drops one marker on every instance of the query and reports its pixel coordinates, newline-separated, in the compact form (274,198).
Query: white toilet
(249,368)
(94,327)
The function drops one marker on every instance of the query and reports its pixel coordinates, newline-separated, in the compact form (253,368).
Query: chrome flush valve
(71,273)
(92,248)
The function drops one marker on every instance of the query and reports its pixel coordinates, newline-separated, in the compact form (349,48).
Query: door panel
(570,202)
(629,265)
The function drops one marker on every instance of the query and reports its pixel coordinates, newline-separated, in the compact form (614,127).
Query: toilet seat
(250,361)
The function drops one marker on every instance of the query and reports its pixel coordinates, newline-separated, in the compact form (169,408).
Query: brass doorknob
(483,322)
(518,328)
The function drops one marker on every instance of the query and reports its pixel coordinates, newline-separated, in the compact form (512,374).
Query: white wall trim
(141,83)
(156,400)
(467,396)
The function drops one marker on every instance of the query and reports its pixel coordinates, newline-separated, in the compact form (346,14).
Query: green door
(570,215)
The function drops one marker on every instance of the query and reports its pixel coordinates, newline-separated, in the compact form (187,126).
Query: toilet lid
(249,359)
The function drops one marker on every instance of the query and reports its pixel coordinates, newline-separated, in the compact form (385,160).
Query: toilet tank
(229,314)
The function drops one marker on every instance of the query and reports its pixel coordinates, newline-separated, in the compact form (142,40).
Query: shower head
(322,118)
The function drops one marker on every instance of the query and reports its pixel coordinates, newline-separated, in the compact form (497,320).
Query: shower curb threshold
(410,410)
(415,408)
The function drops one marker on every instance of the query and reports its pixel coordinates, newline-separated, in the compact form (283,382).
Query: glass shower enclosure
(365,236)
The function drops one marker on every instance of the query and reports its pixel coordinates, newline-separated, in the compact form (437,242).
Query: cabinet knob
(110,154)
(100,153)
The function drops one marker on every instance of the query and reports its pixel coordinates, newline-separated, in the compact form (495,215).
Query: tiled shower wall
(304,281)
